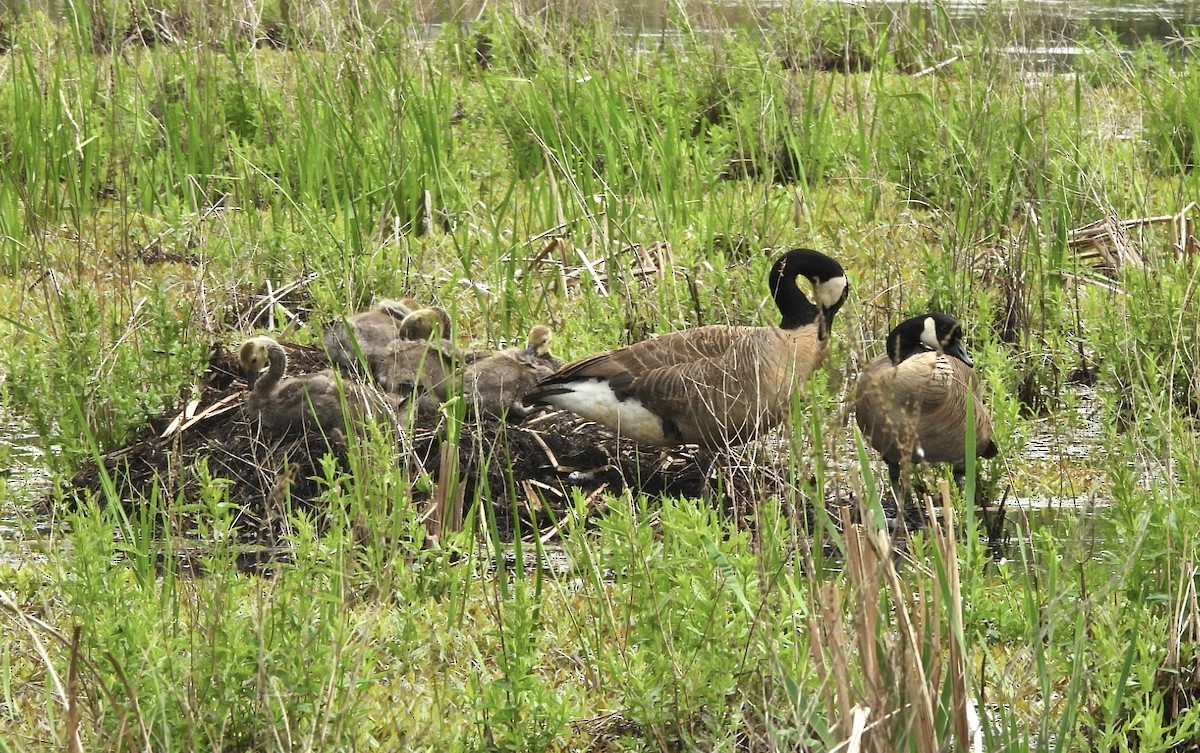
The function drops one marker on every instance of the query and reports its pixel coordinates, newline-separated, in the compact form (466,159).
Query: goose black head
(932,332)
(830,288)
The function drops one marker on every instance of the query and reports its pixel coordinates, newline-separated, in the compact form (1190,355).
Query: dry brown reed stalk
(1106,245)
(865,573)
(918,682)
(1186,243)
(827,642)
(445,509)
(947,544)
(1180,671)
(649,263)
(882,684)
(74,713)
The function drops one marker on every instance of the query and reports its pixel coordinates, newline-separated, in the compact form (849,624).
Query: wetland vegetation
(173,176)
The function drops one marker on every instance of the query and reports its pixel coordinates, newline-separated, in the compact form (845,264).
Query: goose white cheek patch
(595,400)
(829,292)
(929,336)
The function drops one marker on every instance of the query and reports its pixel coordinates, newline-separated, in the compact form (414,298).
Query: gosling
(367,334)
(285,404)
(422,360)
(494,382)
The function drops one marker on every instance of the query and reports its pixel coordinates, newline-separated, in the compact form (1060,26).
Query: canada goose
(537,348)
(372,332)
(494,382)
(714,386)
(911,403)
(421,360)
(364,333)
(282,404)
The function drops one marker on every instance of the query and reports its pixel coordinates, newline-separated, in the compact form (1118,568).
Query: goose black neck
(912,337)
(904,341)
(901,349)
(794,306)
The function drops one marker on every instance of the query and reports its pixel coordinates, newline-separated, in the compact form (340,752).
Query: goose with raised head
(494,382)
(537,348)
(911,402)
(422,360)
(319,400)
(714,386)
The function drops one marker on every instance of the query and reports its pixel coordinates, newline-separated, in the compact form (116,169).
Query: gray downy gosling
(283,404)
(349,342)
(495,382)
(422,361)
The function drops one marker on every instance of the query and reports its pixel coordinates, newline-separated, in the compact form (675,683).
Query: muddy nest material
(528,472)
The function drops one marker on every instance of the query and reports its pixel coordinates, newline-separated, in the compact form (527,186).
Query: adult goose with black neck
(911,402)
(713,386)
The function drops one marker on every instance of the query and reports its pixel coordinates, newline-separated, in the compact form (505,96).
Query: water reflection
(1129,20)
(26,479)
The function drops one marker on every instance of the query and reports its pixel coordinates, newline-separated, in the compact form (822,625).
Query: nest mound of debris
(531,470)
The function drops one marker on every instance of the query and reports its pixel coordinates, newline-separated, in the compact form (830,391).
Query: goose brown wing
(886,406)
(948,383)
(684,347)
(715,404)
(944,412)
(985,446)
(722,390)
(873,393)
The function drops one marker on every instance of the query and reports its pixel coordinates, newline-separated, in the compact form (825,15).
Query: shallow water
(1130,20)
(23,467)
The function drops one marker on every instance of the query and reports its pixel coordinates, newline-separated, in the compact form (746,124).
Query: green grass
(151,196)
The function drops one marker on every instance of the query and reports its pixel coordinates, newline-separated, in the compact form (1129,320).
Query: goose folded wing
(709,398)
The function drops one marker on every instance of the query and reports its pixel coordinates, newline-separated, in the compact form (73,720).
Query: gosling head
(254,356)
(397,309)
(425,323)
(935,332)
(538,345)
